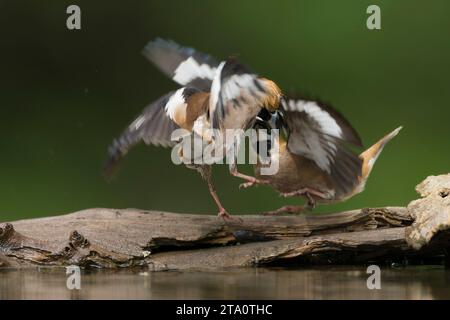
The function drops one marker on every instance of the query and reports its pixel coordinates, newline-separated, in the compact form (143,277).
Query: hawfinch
(214,95)
(314,154)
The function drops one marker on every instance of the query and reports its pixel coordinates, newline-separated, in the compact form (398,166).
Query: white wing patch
(232,88)
(190,69)
(326,122)
(318,134)
(315,143)
(311,142)
(215,88)
(313,149)
(176,105)
(237,89)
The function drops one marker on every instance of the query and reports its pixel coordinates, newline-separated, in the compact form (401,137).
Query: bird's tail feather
(371,155)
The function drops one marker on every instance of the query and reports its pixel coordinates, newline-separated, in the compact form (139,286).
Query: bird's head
(272,100)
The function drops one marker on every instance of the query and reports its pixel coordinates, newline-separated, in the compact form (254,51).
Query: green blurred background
(66,94)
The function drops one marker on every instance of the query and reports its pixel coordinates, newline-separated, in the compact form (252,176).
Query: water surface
(415,282)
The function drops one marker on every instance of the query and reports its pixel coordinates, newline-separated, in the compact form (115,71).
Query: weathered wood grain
(113,238)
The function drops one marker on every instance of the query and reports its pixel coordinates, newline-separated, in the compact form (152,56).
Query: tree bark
(113,238)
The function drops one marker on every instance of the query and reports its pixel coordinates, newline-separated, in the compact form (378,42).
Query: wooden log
(113,238)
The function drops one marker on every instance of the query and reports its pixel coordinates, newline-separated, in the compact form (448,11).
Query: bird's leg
(205,171)
(285,209)
(311,201)
(251,181)
(308,193)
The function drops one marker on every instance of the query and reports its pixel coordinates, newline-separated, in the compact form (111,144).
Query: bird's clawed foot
(310,195)
(228,217)
(252,182)
(285,209)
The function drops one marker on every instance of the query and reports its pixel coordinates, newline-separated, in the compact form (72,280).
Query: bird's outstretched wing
(318,132)
(157,122)
(184,65)
(153,126)
(238,94)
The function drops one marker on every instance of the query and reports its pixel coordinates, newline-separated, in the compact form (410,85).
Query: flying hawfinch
(215,95)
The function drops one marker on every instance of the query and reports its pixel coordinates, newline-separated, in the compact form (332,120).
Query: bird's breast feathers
(185,106)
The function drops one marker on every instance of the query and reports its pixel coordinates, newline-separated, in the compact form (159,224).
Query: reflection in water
(318,283)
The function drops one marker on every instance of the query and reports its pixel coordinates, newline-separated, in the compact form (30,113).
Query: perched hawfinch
(314,157)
